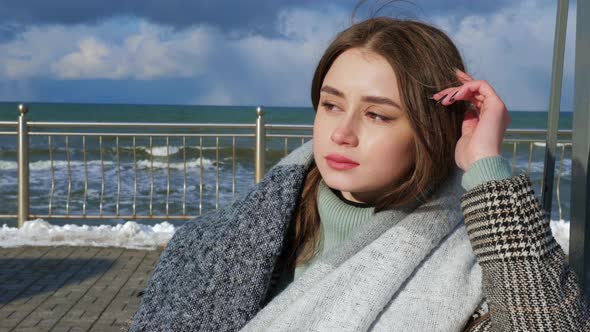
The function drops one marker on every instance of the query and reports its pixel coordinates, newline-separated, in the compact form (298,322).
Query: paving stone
(81,327)
(29,322)
(11,311)
(62,327)
(122,326)
(72,288)
(27,329)
(47,324)
(103,328)
(42,314)
(73,314)
(9,322)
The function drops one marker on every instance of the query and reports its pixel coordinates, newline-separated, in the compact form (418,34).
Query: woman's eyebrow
(332,91)
(381,100)
(370,99)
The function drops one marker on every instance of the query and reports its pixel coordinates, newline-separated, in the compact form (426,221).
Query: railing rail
(164,187)
(140,125)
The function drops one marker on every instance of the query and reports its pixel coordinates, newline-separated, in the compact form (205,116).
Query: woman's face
(362,140)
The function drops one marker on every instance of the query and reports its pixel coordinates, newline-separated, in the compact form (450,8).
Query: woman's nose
(344,134)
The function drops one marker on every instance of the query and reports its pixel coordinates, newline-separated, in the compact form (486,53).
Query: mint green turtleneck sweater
(340,218)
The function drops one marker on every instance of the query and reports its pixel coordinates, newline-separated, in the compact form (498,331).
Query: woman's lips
(340,163)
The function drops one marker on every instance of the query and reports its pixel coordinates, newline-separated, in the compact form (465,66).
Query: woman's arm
(526,280)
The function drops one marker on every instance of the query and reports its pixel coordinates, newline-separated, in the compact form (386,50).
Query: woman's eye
(378,117)
(329,106)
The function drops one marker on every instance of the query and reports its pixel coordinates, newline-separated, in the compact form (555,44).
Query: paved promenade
(71,288)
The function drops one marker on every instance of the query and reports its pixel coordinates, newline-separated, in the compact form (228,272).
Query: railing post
(554,102)
(23,166)
(260,158)
(580,198)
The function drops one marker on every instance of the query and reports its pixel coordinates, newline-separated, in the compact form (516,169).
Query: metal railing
(120,162)
(74,138)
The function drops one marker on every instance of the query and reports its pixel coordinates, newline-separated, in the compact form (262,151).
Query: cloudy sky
(254,52)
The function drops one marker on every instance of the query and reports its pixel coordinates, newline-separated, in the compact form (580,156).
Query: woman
(369,226)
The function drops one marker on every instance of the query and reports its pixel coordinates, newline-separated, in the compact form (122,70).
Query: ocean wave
(157,151)
(162,151)
(540,144)
(129,235)
(142,164)
(537,166)
(7,165)
(57,164)
(190,164)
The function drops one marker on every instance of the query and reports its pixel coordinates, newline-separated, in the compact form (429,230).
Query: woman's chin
(341,183)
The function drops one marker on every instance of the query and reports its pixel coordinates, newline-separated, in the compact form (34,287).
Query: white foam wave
(142,164)
(537,166)
(129,235)
(57,164)
(540,144)
(163,151)
(7,165)
(159,151)
(190,164)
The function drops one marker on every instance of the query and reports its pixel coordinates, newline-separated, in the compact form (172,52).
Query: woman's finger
(444,93)
(479,97)
(473,86)
(463,76)
(470,91)
(445,99)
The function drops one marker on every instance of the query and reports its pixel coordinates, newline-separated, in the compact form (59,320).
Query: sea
(167,163)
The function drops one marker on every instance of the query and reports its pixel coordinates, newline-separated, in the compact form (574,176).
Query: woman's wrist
(484,170)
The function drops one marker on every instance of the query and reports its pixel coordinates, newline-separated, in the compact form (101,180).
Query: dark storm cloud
(251,15)
(244,15)
(9,31)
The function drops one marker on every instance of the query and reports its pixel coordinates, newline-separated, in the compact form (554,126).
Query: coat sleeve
(526,279)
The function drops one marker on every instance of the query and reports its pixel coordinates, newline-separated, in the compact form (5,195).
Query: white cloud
(83,52)
(513,50)
(511,47)
(283,68)
(249,70)
(92,58)
(151,53)
(30,55)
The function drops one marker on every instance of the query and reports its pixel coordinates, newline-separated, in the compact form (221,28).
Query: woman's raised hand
(485,123)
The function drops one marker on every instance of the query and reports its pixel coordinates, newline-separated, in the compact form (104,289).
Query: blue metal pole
(580,207)
(554,103)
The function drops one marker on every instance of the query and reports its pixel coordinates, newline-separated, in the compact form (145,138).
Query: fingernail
(431,97)
(452,99)
(441,98)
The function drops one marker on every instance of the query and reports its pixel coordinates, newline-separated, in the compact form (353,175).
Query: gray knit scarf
(409,269)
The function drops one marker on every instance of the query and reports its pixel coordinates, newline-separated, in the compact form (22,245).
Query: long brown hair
(424,60)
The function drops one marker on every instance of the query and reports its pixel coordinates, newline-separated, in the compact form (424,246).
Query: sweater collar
(339,219)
